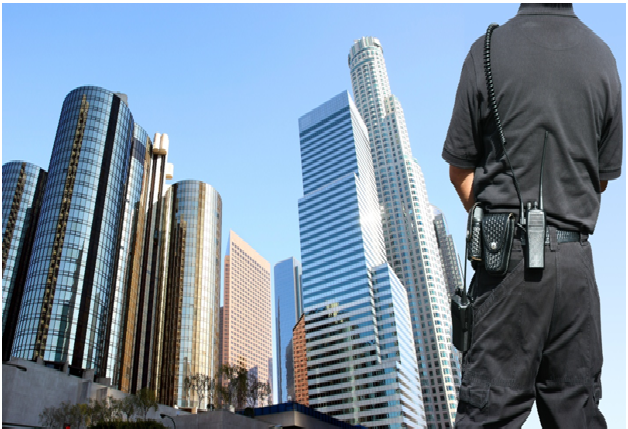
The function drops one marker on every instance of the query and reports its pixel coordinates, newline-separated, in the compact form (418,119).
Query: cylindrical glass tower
(69,282)
(119,303)
(192,302)
(22,189)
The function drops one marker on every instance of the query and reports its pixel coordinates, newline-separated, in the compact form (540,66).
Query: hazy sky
(228,83)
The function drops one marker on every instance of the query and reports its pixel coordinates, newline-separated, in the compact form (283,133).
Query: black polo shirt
(551,73)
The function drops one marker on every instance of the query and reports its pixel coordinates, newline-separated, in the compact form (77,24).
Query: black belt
(561,236)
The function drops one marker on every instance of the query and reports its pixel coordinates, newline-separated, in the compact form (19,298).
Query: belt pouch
(498,231)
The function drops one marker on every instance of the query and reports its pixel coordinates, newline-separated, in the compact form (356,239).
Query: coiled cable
(493,105)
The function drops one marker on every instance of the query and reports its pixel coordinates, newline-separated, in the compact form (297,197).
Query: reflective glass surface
(356,312)
(65,309)
(288,309)
(196,234)
(128,234)
(20,181)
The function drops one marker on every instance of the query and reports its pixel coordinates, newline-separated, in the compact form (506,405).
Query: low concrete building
(29,387)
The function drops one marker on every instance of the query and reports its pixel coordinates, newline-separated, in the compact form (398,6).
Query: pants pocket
(474,393)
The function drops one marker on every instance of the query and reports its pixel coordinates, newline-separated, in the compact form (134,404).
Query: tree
(99,411)
(253,387)
(116,408)
(232,384)
(75,415)
(199,383)
(235,385)
(50,417)
(213,393)
(144,401)
(266,392)
(127,406)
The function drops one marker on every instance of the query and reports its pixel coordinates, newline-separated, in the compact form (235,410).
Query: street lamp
(163,416)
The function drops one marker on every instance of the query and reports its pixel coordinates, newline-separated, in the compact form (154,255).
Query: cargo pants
(536,336)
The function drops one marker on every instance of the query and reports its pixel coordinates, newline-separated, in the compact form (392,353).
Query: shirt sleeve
(610,147)
(460,148)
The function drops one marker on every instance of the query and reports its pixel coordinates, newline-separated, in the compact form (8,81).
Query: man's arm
(462,180)
(603,185)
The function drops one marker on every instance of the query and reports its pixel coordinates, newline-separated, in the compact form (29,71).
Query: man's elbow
(462,179)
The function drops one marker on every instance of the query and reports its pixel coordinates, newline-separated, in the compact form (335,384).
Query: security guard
(536,332)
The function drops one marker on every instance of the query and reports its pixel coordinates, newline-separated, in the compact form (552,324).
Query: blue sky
(228,83)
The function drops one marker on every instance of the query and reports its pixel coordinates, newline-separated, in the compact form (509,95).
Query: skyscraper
(188,298)
(114,348)
(288,310)
(247,323)
(451,263)
(22,189)
(124,274)
(361,365)
(66,301)
(299,363)
(407,219)
(149,271)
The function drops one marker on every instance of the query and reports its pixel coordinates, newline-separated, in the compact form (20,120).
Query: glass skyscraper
(22,189)
(67,296)
(188,301)
(288,310)
(124,274)
(360,361)
(114,346)
(148,273)
(409,234)
(451,263)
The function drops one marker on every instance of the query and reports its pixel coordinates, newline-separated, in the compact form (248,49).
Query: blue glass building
(67,296)
(288,309)
(22,189)
(361,365)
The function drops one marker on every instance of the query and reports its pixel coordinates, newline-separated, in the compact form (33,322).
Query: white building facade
(408,226)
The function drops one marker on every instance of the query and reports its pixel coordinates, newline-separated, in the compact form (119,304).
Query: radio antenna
(541,179)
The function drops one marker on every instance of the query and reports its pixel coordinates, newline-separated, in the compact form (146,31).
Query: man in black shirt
(536,333)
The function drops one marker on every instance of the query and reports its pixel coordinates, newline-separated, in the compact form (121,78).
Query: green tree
(144,401)
(127,406)
(75,415)
(239,387)
(116,409)
(232,384)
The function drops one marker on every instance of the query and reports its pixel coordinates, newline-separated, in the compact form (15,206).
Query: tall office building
(407,219)
(142,349)
(124,273)
(121,299)
(288,310)
(22,189)
(299,363)
(188,295)
(66,302)
(247,323)
(361,365)
(451,263)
